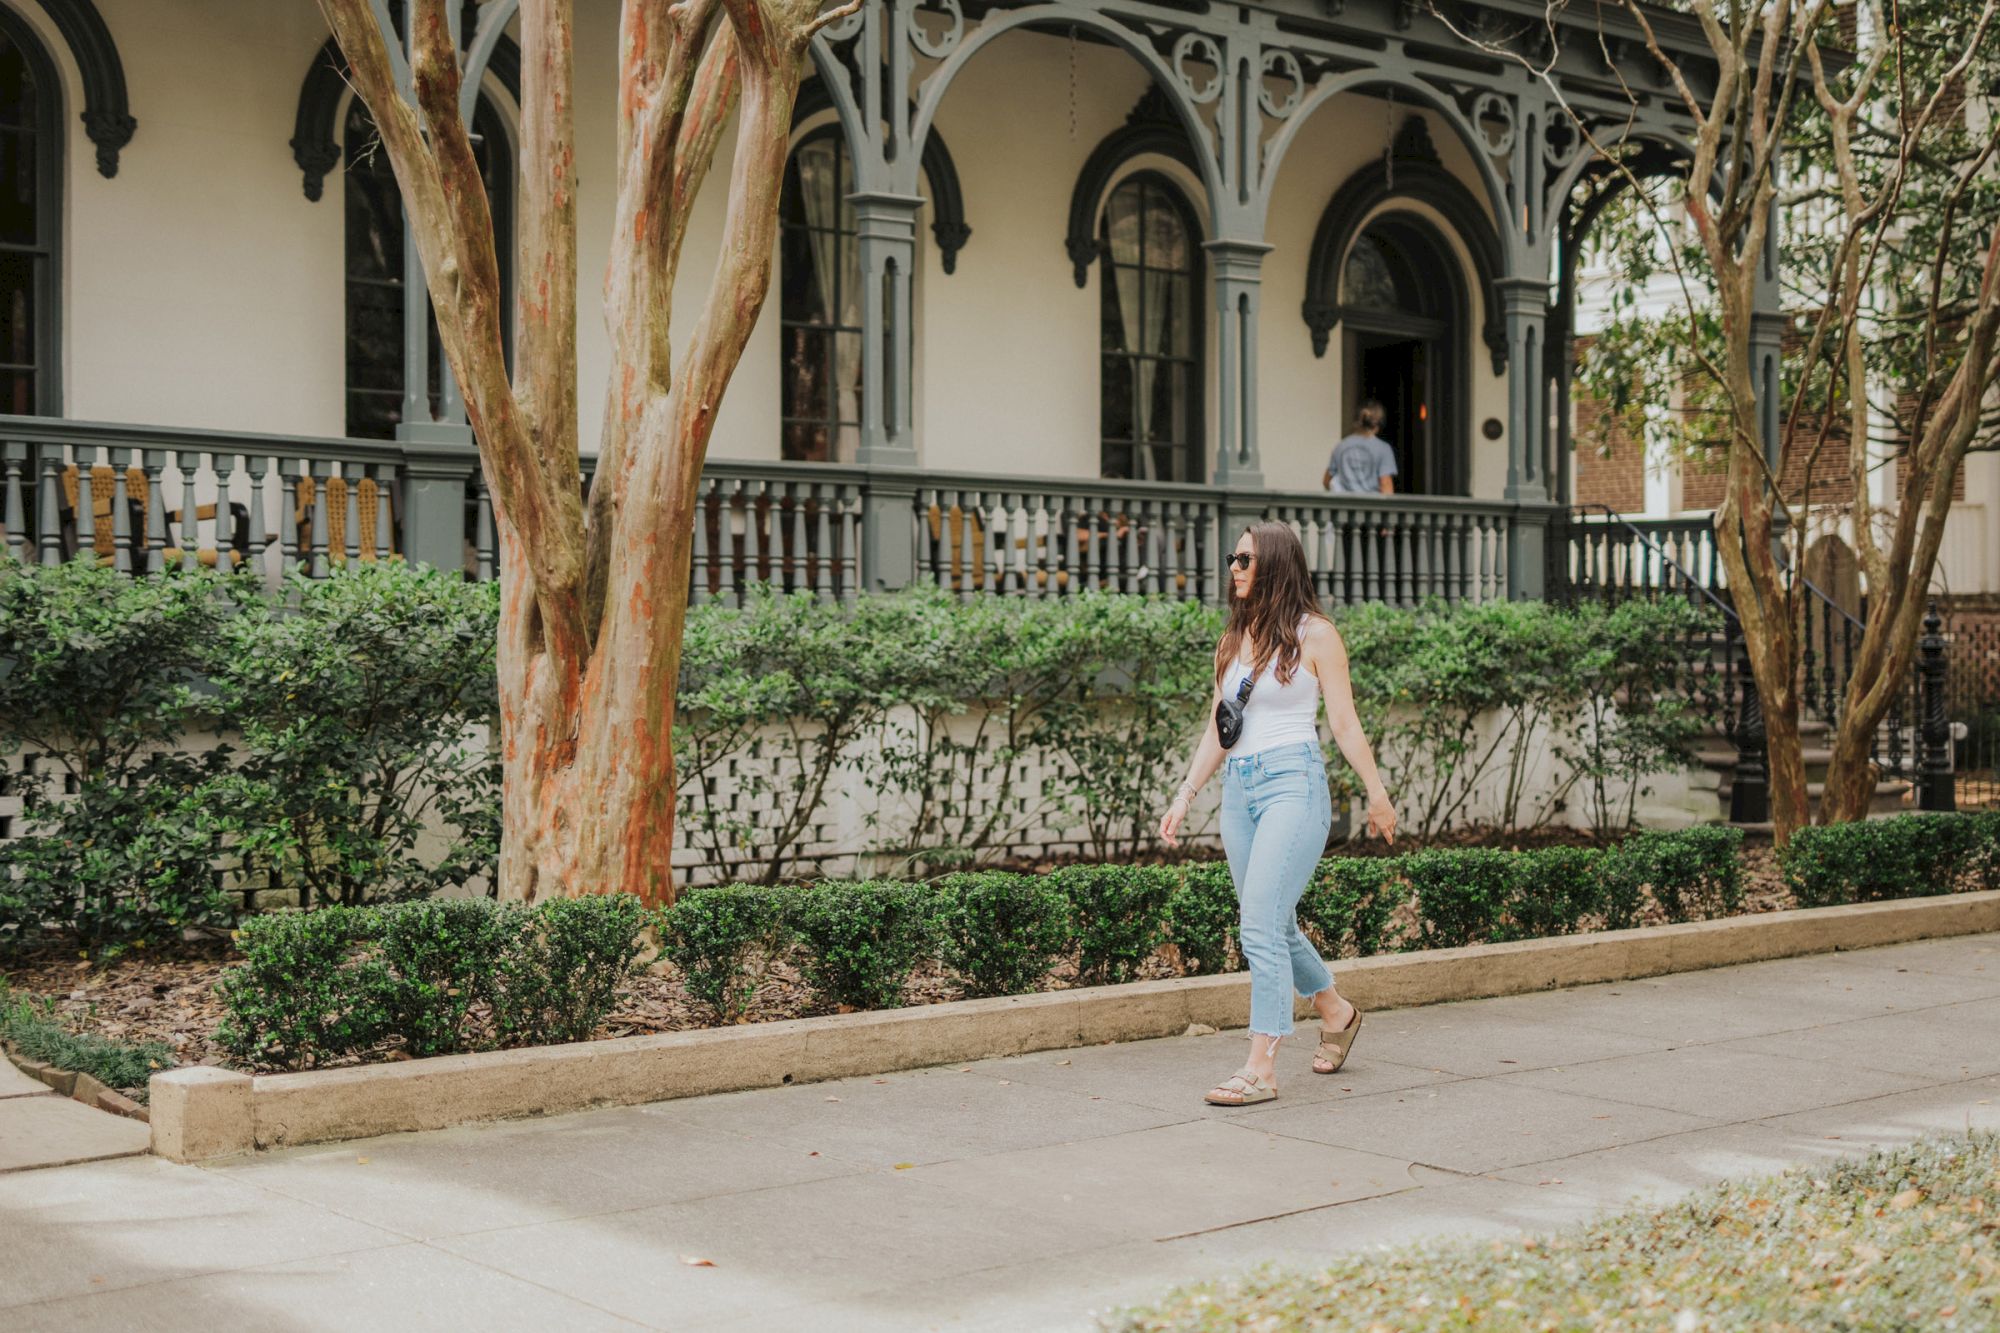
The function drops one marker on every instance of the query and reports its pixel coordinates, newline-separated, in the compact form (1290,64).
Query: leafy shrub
(1349,903)
(445,955)
(1201,918)
(1001,932)
(1132,676)
(862,940)
(1907,856)
(311,987)
(712,934)
(1694,874)
(1120,914)
(35,1032)
(1460,893)
(118,840)
(365,700)
(560,972)
(321,985)
(121,863)
(1554,890)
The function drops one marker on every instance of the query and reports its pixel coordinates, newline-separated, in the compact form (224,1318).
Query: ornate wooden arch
(315,129)
(948,225)
(1152,129)
(107,115)
(1413,174)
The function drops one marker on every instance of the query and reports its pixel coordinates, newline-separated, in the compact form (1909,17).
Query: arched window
(31,123)
(1150,333)
(820,303)
(375,340)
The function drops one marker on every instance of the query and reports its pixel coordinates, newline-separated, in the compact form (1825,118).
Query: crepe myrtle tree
(593,591)
(1885,162)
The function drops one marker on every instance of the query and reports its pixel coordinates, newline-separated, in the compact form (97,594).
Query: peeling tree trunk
(594,594)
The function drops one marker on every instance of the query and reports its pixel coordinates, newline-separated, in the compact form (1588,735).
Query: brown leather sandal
(1334,1046)
(1241,1088)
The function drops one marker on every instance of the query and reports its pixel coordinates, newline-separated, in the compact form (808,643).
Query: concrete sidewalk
(1025,1193)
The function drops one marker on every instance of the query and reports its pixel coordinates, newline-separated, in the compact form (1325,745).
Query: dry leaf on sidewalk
(692,1262)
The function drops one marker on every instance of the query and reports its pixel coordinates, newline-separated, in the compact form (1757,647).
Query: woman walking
(1279,654)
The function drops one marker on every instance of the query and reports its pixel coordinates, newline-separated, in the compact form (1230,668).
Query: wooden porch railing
(147,497)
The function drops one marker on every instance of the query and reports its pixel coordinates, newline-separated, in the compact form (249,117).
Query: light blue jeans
(1275,815)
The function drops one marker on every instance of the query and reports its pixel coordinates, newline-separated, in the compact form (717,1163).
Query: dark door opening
(1396,372)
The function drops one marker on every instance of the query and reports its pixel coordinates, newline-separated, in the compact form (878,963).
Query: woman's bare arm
(1329,662)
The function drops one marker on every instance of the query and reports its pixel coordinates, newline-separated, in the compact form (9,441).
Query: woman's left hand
(1382,817)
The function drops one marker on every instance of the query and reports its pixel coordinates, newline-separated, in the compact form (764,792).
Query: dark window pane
(1116,461)
(1166,235)
(1168,463)
(805,442)
(807,374)
(1116,414)
(1121,224)
(1367,283)
(17,309)
(820,302)
(17,392)
(17,87)
(801,298)
(19,182)
(375,290)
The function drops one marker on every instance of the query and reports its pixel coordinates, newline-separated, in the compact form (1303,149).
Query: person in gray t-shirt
(1362,463)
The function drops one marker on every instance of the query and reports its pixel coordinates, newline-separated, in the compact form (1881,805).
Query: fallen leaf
(833,1099)
(1006,1082)
(692,1262)
(1552,1180)
(881,1080)
(1600,1117)
(812,1154)
(1510,1062)
(361,1161)
(904,1166)
(1062,1062)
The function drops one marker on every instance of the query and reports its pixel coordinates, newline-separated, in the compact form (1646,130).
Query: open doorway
(1398,303)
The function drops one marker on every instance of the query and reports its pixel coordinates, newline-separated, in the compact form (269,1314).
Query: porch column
(1524,304)
(887,226)
(1238,265)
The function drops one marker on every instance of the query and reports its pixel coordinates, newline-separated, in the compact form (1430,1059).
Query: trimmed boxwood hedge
(1002,933)
(446,976)
(443,975)
(1906,856)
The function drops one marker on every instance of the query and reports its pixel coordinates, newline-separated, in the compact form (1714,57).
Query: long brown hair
(1281,596)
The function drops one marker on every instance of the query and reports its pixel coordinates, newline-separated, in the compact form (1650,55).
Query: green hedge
(1001,934)
(1908,856)
(442,976)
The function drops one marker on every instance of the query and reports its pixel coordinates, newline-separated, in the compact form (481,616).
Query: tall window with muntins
(375,288)
(819,301)
(1150,333)
(30,221)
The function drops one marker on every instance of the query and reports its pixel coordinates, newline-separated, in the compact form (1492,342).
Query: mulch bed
(170,996)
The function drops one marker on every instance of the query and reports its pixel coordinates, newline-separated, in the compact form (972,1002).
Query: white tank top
(1275,714)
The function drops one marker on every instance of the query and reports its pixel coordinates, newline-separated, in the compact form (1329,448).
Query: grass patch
(1900,1239)
(32,1030)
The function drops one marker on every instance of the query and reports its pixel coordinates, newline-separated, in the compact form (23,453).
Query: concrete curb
(202,1112)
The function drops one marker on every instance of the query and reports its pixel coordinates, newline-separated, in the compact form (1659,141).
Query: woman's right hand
(1170,822)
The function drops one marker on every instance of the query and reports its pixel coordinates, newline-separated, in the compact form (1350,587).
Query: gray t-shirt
(1360,462)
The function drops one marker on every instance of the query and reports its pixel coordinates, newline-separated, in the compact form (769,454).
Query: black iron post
(1750,788)
(1936,789)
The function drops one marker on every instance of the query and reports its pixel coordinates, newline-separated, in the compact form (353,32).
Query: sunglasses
(1238,560)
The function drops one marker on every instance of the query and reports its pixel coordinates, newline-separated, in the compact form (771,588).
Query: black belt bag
(1229,714)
